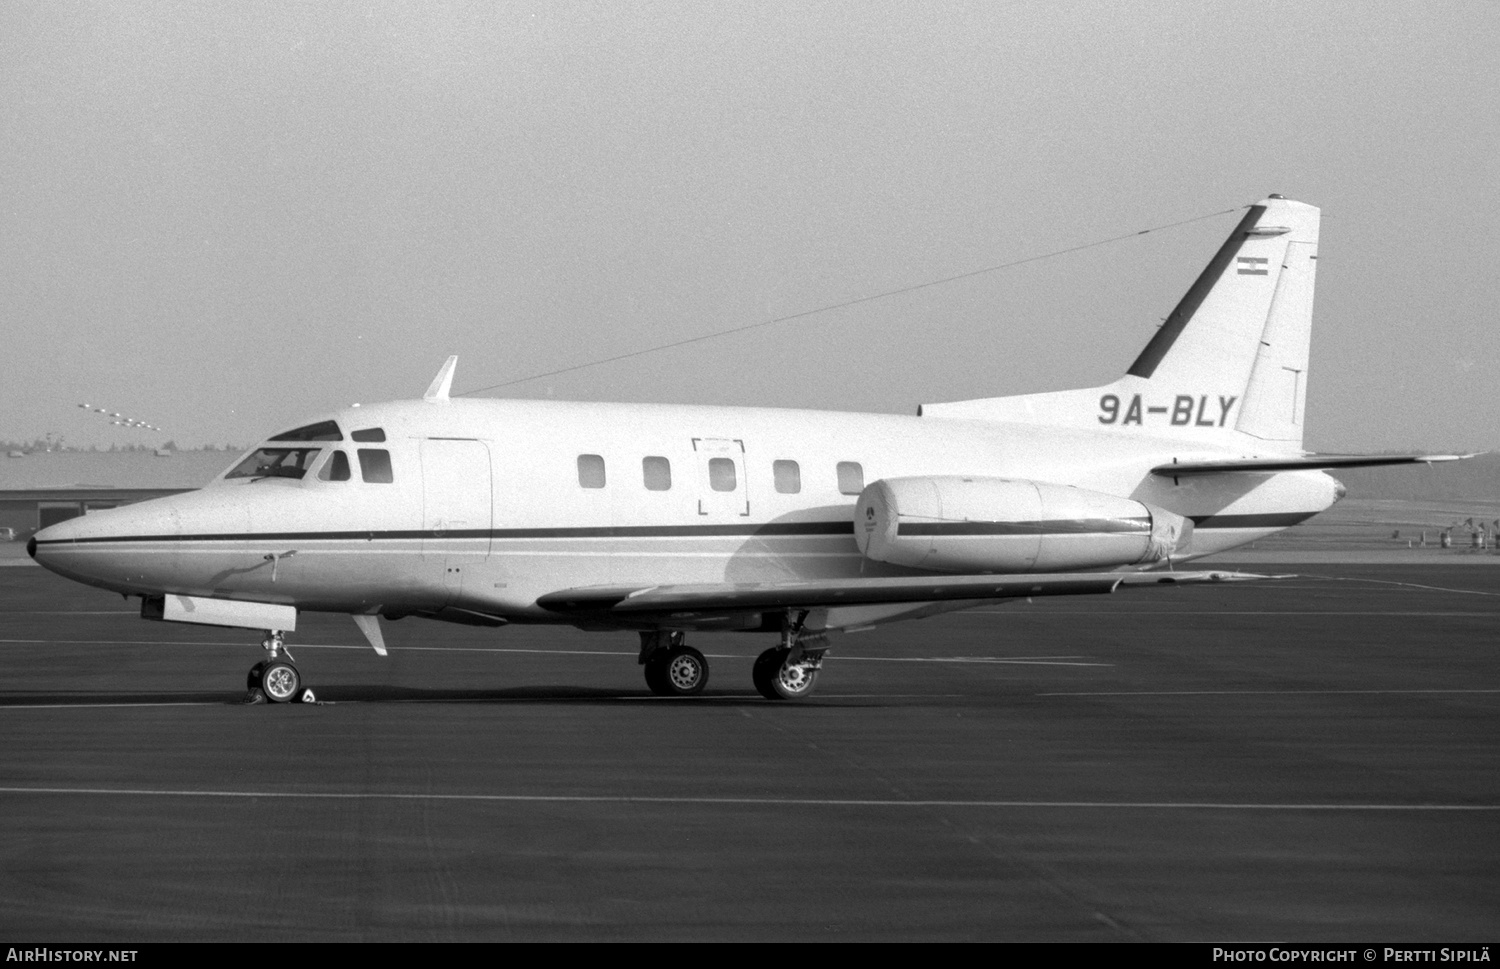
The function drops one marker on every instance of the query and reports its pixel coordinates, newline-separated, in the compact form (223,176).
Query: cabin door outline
(457,504)
(715,504)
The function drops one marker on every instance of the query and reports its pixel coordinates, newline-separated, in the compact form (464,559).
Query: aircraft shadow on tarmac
(390,694)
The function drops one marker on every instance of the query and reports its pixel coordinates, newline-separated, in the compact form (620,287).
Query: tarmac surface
(1311,759)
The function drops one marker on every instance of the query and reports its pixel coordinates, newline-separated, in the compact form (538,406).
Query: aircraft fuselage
(493,503)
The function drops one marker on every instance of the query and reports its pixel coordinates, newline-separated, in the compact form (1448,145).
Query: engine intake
(969,525)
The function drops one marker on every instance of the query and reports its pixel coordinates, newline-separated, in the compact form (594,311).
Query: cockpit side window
(336,468)
(375,465)
(321,431)
(275,462)
(370,434)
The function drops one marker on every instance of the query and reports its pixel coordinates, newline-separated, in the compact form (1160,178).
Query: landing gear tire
(682,671)
(764,671)
(687,671)
(656,671)
(280,681)
(775,679)
(252,678)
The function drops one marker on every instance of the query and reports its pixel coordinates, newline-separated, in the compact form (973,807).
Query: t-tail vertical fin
(1230,359)
(1237,302)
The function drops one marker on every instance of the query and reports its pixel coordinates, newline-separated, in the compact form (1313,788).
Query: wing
(640,601)
(1308,462)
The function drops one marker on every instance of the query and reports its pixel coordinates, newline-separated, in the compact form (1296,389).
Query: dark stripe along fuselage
(766,530)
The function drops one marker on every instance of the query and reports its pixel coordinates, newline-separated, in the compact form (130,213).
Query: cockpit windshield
(275,462)
(322,431)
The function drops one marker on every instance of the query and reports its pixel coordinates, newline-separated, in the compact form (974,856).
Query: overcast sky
(223,218)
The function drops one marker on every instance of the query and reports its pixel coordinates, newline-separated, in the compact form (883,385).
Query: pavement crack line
(772,802)
(1409,585)
(1054,881)
(1012,856)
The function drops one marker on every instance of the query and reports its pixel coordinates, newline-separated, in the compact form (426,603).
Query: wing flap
(763,596)
(1307,462)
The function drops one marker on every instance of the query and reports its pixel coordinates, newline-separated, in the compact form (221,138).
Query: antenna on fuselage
(438,389)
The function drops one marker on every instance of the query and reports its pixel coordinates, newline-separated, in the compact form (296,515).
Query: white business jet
(665,519)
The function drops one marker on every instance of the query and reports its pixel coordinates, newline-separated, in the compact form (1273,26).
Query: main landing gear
(790,671)
(778,676)
(275,679)
(673,668)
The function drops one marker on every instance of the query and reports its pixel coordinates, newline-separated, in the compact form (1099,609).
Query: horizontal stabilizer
(1307,462)
(762,596)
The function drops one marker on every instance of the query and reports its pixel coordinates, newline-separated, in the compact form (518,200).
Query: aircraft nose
(63,531)
(138,549)
(51,548)
(103,549)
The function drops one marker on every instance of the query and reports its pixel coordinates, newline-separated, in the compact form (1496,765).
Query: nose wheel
(276,680)
(279,681)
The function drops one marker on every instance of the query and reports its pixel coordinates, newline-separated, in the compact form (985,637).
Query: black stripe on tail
(1145,364)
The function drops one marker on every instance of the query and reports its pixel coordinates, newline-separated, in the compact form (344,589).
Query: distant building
(40,488)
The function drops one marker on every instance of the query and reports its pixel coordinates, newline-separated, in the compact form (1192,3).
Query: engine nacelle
(976,525)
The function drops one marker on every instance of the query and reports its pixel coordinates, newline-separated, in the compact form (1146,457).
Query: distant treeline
(47,444)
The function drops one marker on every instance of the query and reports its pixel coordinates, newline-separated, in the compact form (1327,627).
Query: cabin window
(657,472)
(375,465)
(590,471)
(321,431)
(788,477)
(721,475)
(372,435)
(336,468)
(851,478)
(275,462)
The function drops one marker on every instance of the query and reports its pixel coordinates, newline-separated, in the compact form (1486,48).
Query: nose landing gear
(275,679)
